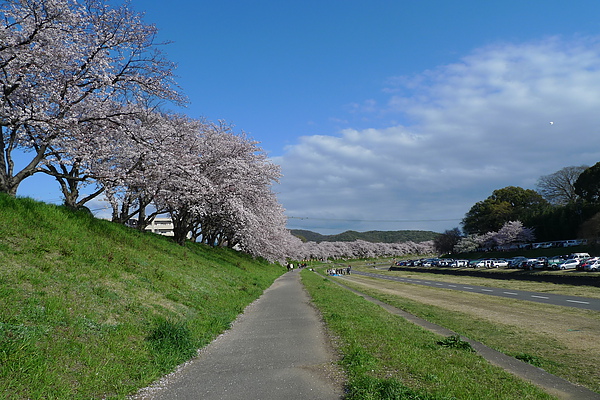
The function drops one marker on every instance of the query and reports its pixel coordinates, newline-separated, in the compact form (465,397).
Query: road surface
(546,298)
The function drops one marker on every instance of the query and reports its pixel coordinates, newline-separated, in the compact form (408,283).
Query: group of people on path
(330,271)
(290,266)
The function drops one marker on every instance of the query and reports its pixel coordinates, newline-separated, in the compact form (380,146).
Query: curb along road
(277,349)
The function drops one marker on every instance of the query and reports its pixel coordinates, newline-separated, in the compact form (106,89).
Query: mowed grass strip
(387,357)
(90,309)
(563,341)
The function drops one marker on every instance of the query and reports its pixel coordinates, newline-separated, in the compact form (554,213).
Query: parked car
(584,263)
(500,263)
(592,266)
(530,263)
(459,263)
(516,262)
(574,242)
(485,263)
(445,262)
(554,261)
(430,262)
(536,263)
(579,256)
(568,264)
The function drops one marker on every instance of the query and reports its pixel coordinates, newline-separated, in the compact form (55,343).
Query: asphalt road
(276,350)
(546,298)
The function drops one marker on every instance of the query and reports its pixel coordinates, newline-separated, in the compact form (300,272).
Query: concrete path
(277,349)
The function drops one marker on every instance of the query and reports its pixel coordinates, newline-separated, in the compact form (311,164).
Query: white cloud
(478,125)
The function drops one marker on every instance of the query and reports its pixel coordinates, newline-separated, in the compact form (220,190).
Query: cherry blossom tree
(266,234)
(358,249)
(64,63)
(77,162)
(145,161)
(513,232)
(241,177)
(469,243)
(221,191)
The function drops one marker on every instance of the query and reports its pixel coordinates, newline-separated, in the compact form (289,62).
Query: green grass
(528,345)
(386,357)
(91,310)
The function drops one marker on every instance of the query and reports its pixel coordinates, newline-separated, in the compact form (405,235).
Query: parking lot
(571,261)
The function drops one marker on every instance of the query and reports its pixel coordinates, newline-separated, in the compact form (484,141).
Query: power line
(375,220)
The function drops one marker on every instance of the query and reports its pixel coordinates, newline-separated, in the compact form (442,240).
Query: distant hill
(370,236)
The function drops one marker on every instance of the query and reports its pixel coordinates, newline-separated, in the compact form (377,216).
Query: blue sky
(391,115)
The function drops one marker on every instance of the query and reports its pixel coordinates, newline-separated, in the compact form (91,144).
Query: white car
(500,263)
(459,263)
(568,264)
(579,256)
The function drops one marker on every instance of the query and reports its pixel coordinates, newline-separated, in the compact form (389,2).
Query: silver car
(568,264)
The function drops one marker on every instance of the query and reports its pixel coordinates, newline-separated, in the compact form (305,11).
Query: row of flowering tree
(82,83)
(83,88)
(358,249)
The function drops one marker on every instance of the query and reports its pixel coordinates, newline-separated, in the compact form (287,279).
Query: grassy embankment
(387,357)
(91,309)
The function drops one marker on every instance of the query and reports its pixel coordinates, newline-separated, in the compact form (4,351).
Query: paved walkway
(277,349)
